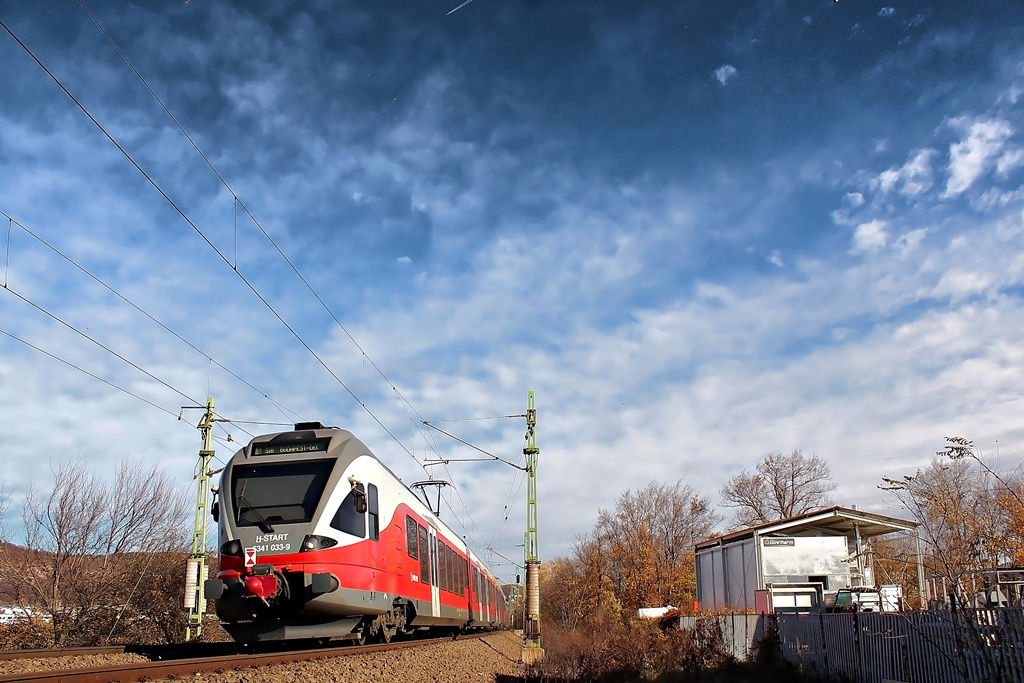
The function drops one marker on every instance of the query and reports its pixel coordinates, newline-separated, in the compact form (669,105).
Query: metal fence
(914,647)
(741,633)
(975,646)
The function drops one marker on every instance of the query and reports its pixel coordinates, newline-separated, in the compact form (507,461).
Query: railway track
(190,666)
(168,651)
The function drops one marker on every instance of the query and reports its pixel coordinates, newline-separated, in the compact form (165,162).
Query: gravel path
(17,666)
(460,661)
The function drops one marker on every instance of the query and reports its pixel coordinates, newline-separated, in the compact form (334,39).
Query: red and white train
(319,539)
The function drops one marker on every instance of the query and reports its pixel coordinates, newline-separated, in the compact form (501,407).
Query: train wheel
(386,634)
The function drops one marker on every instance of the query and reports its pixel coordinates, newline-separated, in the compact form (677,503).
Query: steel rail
(43,653)
(219,664)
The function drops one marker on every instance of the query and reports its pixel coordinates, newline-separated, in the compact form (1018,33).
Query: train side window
(424,557)
(476,583)
(451,570)
(410,537)
(373,510)
(458,574)
(433,563)
(442,565)
(348,519)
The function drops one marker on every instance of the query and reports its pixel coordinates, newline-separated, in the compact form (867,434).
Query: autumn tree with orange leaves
(639,554)
(972,517)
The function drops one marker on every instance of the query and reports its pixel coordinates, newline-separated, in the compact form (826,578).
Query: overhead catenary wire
(474,419)
(7,260)
(86,372)
(233,262)
(206,239)
(474,447)
(238,203)
(285,410)
(513,493)
(147,373)
(58,319)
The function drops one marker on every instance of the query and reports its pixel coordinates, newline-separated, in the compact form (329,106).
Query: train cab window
(277,493)
(410,537)
(348,519)
(424,557)
(373,510)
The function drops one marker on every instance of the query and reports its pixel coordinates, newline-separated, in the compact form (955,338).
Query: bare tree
(781,486)
(83,541)
(964,522)
(962,506)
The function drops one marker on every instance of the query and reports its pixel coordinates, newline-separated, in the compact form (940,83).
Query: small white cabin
(800,563)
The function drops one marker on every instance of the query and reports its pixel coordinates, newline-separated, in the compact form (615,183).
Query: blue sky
(699,234)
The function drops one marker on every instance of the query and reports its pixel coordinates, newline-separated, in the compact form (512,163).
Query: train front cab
(328,543)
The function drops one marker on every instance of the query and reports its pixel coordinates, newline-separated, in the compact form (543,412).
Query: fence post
(824,644)
(857,646)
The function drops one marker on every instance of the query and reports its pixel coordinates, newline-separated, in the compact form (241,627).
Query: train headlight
(312,542)
(232,548)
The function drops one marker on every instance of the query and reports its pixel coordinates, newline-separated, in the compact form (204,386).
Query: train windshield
(284,493)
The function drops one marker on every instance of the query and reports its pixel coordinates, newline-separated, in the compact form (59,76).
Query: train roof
(347,447)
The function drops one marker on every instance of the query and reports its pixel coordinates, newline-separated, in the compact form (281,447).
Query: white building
(793,564)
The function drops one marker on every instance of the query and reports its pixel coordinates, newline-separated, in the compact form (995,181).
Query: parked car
(859,599)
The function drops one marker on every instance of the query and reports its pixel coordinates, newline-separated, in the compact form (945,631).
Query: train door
(435,592)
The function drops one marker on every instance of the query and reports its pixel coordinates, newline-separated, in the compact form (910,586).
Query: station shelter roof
(832,521)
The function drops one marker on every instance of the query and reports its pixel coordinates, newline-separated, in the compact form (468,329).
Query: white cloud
(970,157)
(995,198)
(597,305)
(854,199)
(958,284)
(870,236)
(887,11)
(1010,160)
(724,73)
(911,180)
(907,243)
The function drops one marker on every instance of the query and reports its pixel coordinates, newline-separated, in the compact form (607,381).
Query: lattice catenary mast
(195,598)
(531,628)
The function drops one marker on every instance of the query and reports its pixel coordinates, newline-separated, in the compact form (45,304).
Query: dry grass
(33,634)
(609,651)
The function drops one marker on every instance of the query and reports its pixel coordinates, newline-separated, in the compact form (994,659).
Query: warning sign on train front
(250,557)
